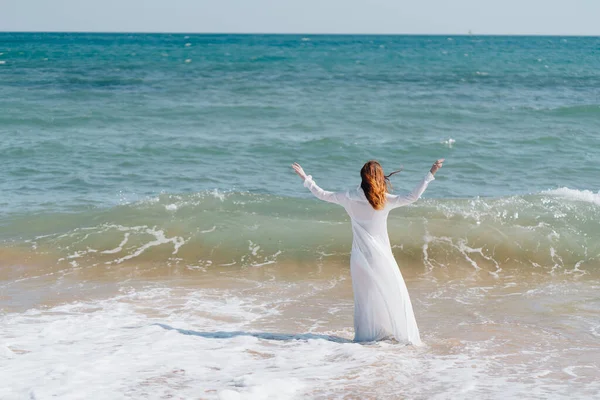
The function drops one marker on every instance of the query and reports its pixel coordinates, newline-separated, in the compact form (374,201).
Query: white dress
(382,307)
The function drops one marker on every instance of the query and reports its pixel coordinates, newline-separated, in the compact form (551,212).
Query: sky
(520,17)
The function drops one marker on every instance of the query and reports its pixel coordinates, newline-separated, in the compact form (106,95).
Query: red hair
(375,183)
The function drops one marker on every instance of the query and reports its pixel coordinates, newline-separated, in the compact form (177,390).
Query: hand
(437,165)
(298,169)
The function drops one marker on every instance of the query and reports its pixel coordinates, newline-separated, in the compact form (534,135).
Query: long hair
(375,183)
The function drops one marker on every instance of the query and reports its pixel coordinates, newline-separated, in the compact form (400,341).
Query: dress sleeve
(331,197)
(399,201)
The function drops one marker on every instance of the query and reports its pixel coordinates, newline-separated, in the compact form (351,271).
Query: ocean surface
(155,243)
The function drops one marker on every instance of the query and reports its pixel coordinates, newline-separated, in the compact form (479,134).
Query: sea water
(155,243)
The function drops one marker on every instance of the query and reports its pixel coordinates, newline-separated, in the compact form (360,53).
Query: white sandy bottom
(161,342)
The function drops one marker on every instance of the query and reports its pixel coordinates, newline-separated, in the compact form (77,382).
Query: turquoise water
(108,124)
(154,241)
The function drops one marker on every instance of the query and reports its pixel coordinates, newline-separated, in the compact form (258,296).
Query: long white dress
(382,306)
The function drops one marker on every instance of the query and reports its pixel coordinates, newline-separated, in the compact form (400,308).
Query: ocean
(155,242)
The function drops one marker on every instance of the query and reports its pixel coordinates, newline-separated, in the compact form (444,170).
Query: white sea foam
(218,195)
(254,248)
(159,235)
(170,342)
(119,247)
(209,230)
(449,142)
(578,195)
(160,239)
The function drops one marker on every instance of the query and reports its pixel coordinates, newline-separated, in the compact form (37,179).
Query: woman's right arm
(331,197)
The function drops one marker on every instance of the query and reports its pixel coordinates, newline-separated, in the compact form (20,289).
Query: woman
(382,307)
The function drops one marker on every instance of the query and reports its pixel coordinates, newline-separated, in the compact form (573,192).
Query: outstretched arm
(324,195)
(399,201)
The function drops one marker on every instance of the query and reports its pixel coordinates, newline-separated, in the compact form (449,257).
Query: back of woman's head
(374,184)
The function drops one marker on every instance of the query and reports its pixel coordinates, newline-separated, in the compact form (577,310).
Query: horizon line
(306,33)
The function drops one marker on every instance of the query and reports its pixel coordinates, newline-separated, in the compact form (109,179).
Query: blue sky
(549,17)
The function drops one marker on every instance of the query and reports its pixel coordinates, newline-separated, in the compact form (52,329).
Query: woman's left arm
(399,201)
